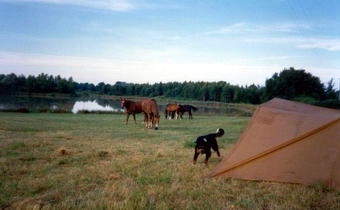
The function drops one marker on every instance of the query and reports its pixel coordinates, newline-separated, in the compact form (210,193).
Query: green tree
(21,84)
(31,85)
(119,89)
(158,89)
(45,83)
(291,83)
(101,88)
(330,91)
(64,86)
(214,92)
(130,90)
(9,84)
(253,94)
(204,94)
(227,94)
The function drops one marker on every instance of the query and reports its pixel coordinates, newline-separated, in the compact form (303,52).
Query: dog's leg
(215,148)
(195,158)
(218,153)
(207,156)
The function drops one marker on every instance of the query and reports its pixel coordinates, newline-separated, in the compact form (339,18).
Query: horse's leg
(151,120)
(134,117)
(190,114)
(147,125)
(146,119)
(178,116)
(127,118)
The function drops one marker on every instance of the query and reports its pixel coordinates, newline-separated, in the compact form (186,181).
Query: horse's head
(122,102)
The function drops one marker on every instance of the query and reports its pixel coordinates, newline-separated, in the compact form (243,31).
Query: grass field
(95,161)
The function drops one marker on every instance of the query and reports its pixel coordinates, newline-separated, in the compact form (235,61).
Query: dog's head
(201,146)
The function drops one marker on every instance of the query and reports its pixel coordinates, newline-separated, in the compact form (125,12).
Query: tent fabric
(287,141)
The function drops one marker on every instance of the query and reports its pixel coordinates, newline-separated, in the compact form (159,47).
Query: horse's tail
(194,108)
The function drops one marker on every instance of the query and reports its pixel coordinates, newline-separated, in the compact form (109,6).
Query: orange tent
(287,141)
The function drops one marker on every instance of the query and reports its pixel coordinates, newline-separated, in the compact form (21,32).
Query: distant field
(95,161)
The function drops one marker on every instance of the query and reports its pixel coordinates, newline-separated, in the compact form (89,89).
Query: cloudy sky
(242,42)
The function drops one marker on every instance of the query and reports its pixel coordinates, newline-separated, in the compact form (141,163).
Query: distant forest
(291,84)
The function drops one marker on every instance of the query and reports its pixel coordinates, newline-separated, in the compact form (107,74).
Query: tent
(287,141)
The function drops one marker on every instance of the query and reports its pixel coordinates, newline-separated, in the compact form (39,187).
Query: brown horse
(151,113)
(170,109)
(131,108)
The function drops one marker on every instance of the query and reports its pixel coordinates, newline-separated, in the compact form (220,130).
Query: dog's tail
(219,132)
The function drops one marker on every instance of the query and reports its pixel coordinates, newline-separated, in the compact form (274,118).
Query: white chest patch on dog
(205,139)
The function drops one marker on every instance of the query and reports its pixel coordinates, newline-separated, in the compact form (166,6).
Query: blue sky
(242,42)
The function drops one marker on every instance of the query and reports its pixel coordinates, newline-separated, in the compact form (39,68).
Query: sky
(241,42)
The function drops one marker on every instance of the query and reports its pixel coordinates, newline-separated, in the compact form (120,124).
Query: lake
(74,105)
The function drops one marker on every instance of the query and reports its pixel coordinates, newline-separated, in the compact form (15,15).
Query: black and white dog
(205,143)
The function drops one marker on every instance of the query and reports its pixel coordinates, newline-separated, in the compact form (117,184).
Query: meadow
(95,161)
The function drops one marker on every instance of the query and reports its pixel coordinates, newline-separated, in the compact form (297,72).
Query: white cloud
(271,58)
(234,28)
(299,35)
(49,60)
(326,44)
(241,27)
(302,42)
(114,5)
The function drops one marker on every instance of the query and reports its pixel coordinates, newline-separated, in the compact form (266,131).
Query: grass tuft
(189,144)
(63,152)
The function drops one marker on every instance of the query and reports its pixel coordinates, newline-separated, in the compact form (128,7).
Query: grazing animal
(131,108)
(170,109)
(151,113)
(187,108)
(205,143)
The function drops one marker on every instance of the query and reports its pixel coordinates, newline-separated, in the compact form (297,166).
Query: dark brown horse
(151,113)
(170,109)
(187,108)
(131,108)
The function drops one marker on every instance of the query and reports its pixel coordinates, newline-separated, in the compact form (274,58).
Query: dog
(205,143)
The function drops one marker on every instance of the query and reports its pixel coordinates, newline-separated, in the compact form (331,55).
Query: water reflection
(54,104)
(40,104)
(73,105)
(91,106)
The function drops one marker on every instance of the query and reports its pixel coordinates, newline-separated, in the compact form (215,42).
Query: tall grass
(95,161)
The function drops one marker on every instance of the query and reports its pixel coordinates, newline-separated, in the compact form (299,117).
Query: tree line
(290,84)
(12,84)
